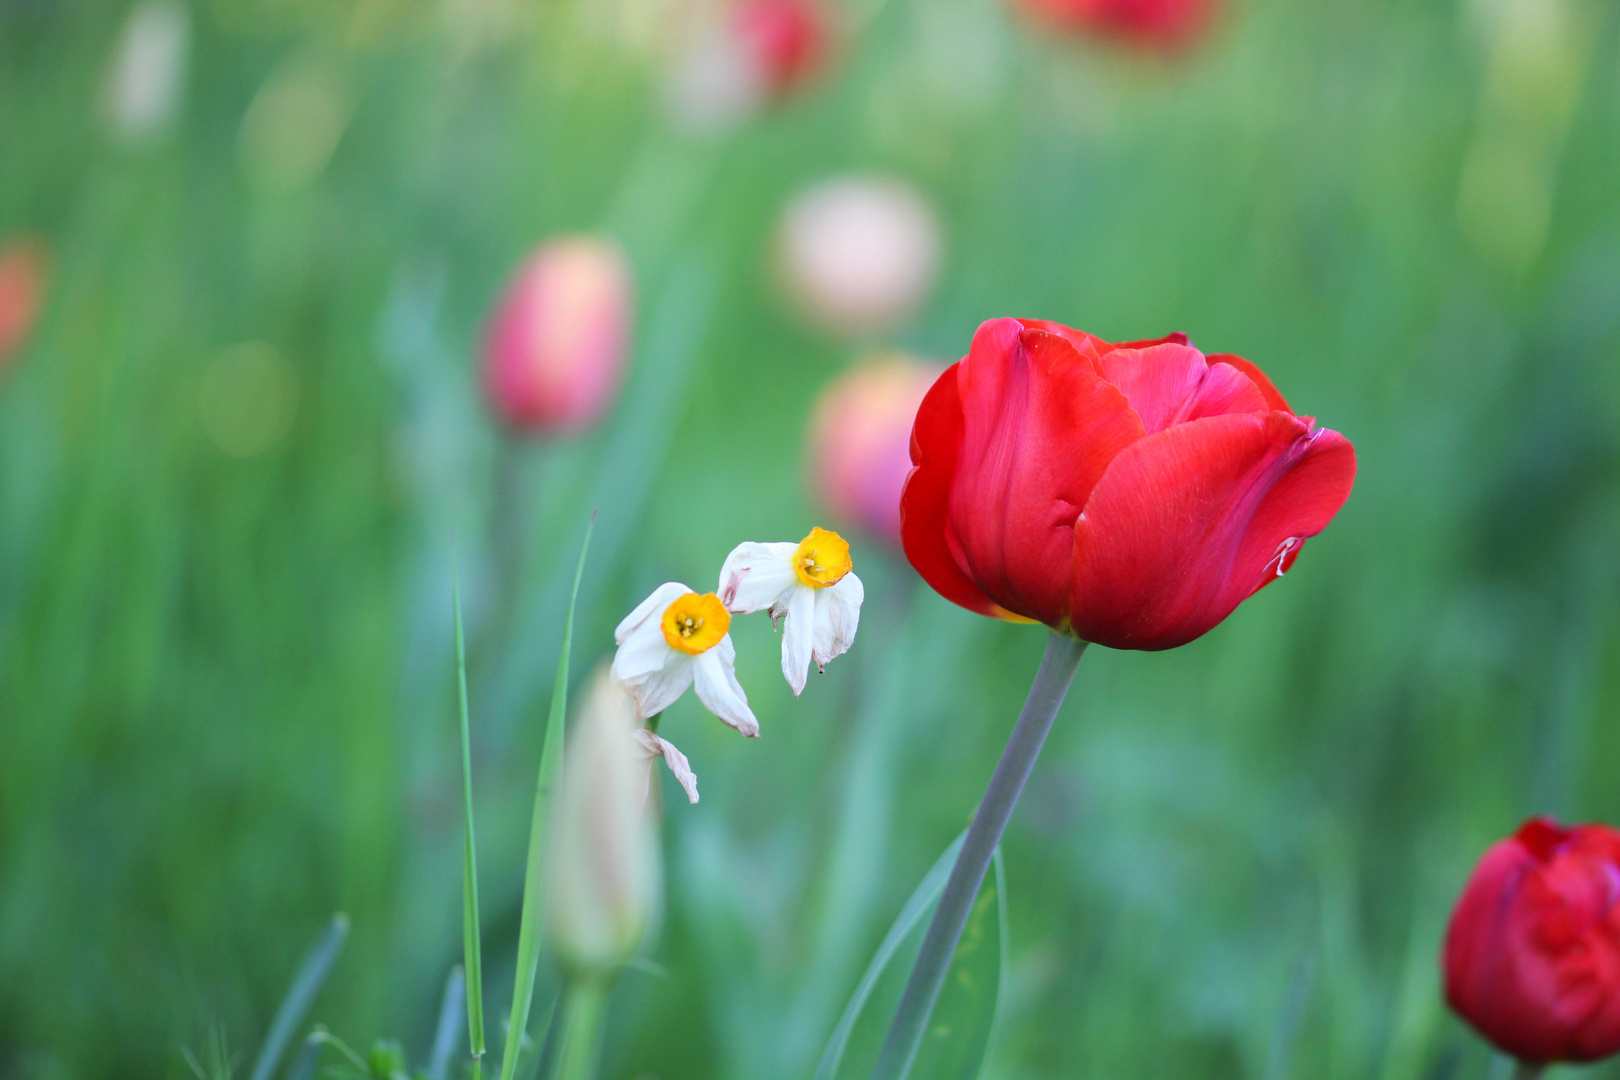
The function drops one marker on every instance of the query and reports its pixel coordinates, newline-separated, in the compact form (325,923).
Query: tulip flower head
(1164,25)
(1129,495)
(605,884)
(1532,955)
(860,440)
(786,40)
(555,348)
(675,639)
(859,254)
(809,585)
(22,292)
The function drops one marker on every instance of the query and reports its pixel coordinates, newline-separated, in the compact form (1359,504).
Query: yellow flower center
(695,624)
(822,558)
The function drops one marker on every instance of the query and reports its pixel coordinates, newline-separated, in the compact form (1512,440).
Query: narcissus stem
(928,974)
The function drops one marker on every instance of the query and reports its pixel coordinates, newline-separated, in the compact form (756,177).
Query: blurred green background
(226,671)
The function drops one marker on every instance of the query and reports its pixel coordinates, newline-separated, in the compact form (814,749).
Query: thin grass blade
(306,984)
(916,908)
(528,951)
(444,1033)
(472,948)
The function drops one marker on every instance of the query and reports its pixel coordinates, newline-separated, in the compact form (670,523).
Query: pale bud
(859,254)
(748,55)
(555,347)
(148,68)
(22,291)
(860,440)
(605,881)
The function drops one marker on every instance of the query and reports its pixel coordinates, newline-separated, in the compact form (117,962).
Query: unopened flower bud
(860,440)
(859,254)
(605,881)
(22,290)
(786,41)
(1161,25)
(555,348)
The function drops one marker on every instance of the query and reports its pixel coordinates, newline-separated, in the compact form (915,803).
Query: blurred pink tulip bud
(859,254)
(787,40)
(22,290)
(860,440)
(556,344)
(1162,25)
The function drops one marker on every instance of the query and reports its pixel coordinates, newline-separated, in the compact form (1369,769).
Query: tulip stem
(989,822)
(582,1027)
(1526,1071)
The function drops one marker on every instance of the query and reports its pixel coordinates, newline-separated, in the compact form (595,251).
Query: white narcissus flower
(810,585)
(676,638)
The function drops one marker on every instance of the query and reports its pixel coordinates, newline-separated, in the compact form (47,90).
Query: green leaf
(472,949)
(528,952)
(305,985)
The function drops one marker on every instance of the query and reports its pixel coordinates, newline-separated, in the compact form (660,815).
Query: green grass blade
(472,949)
(916,909)
(444,1033)
(305,985)
(528,952)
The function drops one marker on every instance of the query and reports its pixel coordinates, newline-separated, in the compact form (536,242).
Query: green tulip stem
(1526,1071)
(934,960)
(582,1031)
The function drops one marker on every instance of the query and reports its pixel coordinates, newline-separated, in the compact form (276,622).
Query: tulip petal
(1172,384)
(1190,521)
(1040,427)
(936,442)
(1274,400)
(755,575)
(719,690)
(1224,390)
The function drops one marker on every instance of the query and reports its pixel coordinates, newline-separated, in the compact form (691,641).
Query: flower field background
(243,433)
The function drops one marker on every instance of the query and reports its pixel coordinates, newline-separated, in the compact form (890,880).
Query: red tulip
(1532,956)
(1156,24)
(22,289)
(555,347)
(1130,495)
(860,440)
(786,41)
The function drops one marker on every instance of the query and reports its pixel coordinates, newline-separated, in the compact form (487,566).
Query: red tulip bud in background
(1532,956)
(556,343)
(22,289)
(860,440)
(787,41)
(1165,25)
(1130,495)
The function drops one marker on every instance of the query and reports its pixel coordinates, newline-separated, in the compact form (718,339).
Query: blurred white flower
(676,638)
(859,254)
(148,68)
(605,883)
(810,585)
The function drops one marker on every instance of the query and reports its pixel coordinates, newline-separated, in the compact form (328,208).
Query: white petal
(718,689)
(657,690)
(798,634)
(652,607)
(755,575)
(838,612)
(643,651)
(654,746)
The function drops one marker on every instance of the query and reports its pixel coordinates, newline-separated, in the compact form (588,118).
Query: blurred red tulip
(556,344)
(1532,956)
(1156,24)
(788,41)
(22,289)
(1131,495)
(860,440)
